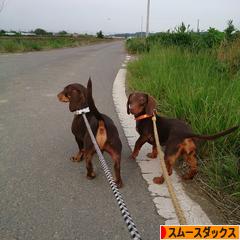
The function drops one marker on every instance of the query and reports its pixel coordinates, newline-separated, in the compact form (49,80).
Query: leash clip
(154,119)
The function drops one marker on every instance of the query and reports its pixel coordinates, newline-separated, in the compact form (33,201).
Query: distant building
(75,35)
(27,34)
(19,33)
(116,37)
(10,33)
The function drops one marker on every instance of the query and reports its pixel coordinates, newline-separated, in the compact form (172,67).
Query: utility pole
(198,25)
(2,5)
(141,34)
(148,13)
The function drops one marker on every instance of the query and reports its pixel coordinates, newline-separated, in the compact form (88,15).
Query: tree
(2,32)
(229,30)
(182,28)
(100,34)
(62,33)
(40,31)
(213,37)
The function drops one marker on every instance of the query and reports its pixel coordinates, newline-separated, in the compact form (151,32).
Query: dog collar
(144,116)
(82,111)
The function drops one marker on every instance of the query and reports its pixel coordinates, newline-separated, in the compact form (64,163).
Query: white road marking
(151,168)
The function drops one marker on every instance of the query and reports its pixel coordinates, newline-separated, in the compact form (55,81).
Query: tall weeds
(198,88)
(25,44)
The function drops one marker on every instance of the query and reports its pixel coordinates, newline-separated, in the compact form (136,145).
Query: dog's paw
(132,157)
(91,175)
(119,183)
(151,155)
(77,158)
(189,175)
(158,180)
(74,159)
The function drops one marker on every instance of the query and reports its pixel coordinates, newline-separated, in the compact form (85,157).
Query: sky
(116,16)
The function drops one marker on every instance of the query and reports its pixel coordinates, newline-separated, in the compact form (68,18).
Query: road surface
(43,195)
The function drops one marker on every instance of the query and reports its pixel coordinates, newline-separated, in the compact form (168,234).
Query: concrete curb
(151,168)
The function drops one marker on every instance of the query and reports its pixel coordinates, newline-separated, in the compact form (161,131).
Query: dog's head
(76,95)
(140,103)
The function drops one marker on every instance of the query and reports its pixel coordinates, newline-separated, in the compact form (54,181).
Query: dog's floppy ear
(151,105)
(128,110)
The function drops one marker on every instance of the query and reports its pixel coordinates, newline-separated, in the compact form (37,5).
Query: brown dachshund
(174,134)
(102,126)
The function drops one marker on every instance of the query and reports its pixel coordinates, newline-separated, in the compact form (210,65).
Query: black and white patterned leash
(123,208)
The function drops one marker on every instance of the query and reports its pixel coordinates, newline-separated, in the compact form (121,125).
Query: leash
(123,208)
(176,204)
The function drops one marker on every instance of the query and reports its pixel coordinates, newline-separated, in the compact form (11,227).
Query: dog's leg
(154,152)
(171,154)
(88,154)
(169,161)
(79,156)
(116,157)
(139,143)
(189,150)
(192,163)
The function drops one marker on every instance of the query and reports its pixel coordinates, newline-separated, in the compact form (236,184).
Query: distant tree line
(185,37)
(37,31)
(42,32)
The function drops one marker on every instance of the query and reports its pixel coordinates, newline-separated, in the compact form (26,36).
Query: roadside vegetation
(41,40)
(195,76)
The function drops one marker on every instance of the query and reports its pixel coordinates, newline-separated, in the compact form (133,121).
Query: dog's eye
(67,95)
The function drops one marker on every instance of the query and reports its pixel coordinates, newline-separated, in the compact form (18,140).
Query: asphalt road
(43,195)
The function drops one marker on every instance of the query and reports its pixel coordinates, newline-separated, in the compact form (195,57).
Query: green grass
(196,87)
(26,44)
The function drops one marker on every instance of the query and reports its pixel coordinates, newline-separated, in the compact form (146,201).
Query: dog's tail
(217,135)
(91,103)
(101,135)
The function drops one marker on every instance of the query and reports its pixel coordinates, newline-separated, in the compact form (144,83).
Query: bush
(100,34)
(181,37)
(62,33)
(230,30)
(10,46)
(32,46)
(2,32)
(213,38)
(136,45)
(23,44)
(40,31)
